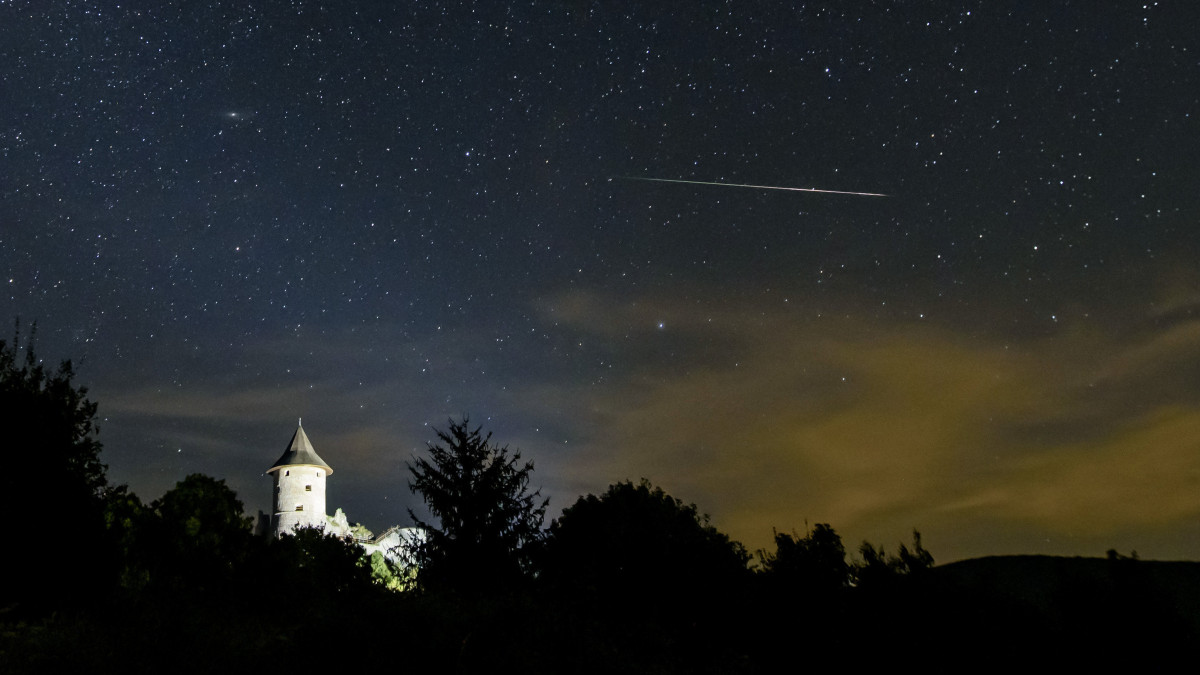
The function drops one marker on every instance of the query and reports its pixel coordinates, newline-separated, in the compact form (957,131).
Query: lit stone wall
(396,544)
(299,497)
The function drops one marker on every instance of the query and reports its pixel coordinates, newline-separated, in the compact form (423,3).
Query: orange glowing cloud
(771,418)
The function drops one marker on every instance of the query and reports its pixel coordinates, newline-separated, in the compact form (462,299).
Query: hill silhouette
(632,580)
(1077,610)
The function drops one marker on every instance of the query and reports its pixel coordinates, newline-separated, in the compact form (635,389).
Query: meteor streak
(756,187)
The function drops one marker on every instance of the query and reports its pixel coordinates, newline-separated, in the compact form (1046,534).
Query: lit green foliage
(390,576)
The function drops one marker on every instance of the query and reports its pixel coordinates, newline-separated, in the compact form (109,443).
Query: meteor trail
(756,187)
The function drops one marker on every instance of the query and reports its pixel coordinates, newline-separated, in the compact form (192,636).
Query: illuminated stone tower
(299,486)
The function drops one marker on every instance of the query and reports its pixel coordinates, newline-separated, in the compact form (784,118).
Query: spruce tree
(487,518)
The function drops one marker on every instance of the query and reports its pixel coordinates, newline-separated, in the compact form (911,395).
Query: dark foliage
(878,569)
(52,473)
(197,537)
(488,519)
(636,537)
(814,563)
(804,585)
(324,564)
(645,581)
(126,520)
(629,581)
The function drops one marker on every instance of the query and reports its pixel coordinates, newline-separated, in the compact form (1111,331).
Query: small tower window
(287,473)
(299,507)
(308,488)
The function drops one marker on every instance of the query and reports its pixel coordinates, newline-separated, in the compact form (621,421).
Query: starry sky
(380,215)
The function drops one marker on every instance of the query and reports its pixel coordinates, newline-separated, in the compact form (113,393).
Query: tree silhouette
(915,560)
(877,568)
(321,564)
(488,519)
(198,534)
(649,580)
(636,536)
(126,518)
(814,563)
(52,473)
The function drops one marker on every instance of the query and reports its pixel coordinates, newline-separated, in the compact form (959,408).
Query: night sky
(376,216)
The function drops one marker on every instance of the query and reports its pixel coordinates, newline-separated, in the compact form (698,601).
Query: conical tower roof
(300,453)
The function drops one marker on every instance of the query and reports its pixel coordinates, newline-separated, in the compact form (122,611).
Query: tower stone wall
(299,477)
(299,498)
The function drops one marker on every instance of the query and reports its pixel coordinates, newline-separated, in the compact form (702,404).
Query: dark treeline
(629,581)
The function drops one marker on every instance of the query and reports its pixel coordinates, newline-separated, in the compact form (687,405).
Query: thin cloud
(870,424)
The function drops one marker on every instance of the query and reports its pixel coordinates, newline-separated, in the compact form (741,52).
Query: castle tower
(299,486)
